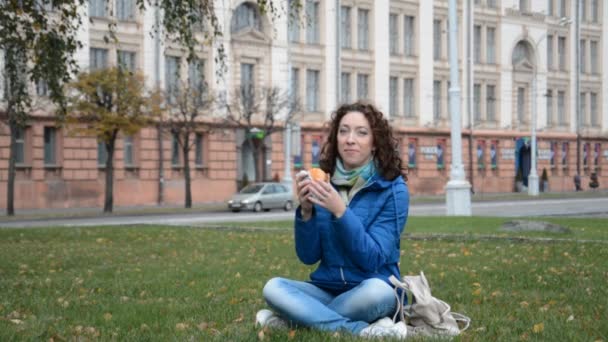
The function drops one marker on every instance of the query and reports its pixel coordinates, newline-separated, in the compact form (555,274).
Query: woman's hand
(302,189)
(323,194)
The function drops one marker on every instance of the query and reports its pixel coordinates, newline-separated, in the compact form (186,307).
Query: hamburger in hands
(315,174)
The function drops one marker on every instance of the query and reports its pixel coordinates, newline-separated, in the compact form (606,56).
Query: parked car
(262,196)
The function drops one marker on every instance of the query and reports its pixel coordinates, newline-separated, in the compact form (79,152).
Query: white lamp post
(458,189)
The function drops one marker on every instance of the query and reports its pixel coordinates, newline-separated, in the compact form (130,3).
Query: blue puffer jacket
(364,243)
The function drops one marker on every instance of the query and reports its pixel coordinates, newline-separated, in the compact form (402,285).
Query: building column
(572,65)
(603,110)
(222,82)
(425,62)
(83,36)
(382,63)
(151,47)
(331,69)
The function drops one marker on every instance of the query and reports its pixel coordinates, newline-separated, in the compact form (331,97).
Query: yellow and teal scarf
(349,182)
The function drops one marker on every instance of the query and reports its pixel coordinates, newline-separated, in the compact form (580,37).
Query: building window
(494,155)
(198,149)
(102,154)
(409,35)
(561,8)
(294,88)
(550,9)
(549,52)
(583,106)
(345,29)
(549,108)
(126,60)
(20,146)
(50,146)
(411,153)
(490,102)
(128,151)
(561,51)
(97,8)
(477,102)
(362,87)
(98,59)
(312,14)
(523,6)
(345,87)
(393,34)
(363,29)
(312,90)
(595,8)
(565,149)
(491,45)
(593,109)
(477,44)
(42,88)
(175,150)
(247,85)
(172,72)
(561,107)
(583,55)
(437,39)
(436,100)
(246,16)
(408,97)
(125,9)
(196,79)
(593,52)
(294,22)
(393,89)
(521,104)
(583,10)
(440,154)
(481,148)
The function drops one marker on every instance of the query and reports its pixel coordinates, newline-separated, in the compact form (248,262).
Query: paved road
(585,207)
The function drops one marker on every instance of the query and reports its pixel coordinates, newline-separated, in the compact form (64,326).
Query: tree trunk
(186,152)
(109,200)
(10,186)
(256,159)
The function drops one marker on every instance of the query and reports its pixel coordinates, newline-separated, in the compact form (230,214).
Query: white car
(262,196)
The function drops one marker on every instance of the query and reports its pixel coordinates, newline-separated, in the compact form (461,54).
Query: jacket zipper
(342,275)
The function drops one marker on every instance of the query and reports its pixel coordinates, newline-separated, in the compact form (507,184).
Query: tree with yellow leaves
(104,103)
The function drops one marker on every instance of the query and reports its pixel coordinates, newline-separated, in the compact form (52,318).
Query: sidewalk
(41,214)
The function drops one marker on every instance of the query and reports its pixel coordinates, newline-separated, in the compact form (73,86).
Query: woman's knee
(272,288)
(377,288)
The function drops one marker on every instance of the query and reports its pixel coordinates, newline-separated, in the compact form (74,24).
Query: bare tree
(260,113)
(184,109)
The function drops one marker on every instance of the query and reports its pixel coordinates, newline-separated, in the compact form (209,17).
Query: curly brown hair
(388,160)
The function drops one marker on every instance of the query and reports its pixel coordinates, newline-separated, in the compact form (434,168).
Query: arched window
(522,53)
(246,16)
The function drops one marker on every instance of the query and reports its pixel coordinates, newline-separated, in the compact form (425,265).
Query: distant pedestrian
(352,226)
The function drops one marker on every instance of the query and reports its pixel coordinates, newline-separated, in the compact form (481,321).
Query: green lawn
(167,283)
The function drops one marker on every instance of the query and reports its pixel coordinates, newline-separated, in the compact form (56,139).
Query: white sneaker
(385,328)
(267,318)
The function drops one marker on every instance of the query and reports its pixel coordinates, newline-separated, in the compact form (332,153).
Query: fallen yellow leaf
(181,326)
(538,328)
(107,316)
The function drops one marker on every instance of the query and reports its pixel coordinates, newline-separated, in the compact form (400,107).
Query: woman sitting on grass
(352,227)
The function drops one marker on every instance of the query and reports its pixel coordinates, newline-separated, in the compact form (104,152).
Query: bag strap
(400,298)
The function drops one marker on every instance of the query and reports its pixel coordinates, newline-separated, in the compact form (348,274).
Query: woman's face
(355,140)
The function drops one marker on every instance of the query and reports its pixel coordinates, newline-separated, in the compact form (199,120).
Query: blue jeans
(305,304)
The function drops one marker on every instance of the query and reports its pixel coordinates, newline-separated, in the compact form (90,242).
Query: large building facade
(391,53)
